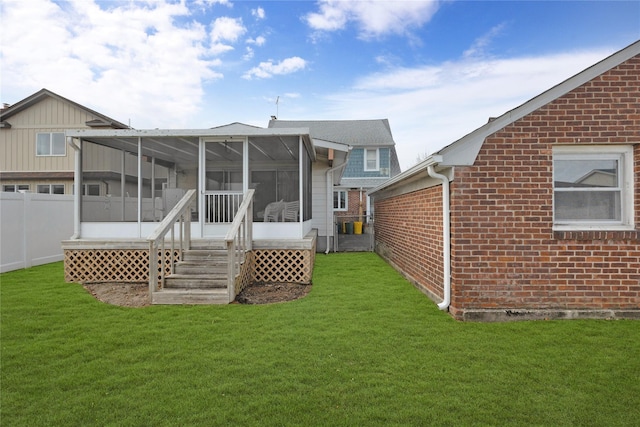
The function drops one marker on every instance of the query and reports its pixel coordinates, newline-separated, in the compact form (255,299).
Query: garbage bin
(357,227)
(349,226)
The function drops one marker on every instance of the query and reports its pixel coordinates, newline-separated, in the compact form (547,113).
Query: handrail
(181,212)
(239,241)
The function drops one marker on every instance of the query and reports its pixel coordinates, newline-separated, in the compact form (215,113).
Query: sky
(436,69)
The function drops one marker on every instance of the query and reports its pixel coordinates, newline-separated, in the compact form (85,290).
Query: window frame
(625,185)
(50,152)
(366,160)
(346,201)
(50,188)
(17,188)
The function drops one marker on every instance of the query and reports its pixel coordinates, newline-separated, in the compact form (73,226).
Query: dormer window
(371,159)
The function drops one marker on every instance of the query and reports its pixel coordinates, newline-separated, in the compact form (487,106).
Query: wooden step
(190,296)
(200,277)
(200,268)
(198,281)
(205,255)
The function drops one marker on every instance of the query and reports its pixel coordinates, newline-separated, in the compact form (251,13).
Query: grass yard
(364,348)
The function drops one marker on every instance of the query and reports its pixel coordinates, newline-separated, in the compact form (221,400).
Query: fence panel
(32,227)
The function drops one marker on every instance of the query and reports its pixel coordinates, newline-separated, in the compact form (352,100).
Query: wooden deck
(194,281)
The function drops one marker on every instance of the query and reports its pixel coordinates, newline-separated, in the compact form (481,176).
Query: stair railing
(239,241)
(181,213)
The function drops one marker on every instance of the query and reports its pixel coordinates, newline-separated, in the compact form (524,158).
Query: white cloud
(374,18)
(258,13)
(432,106)
(269,68)
(258,41)
(480,45)
(213,2)
(248,53)
(225,30)
(129,61)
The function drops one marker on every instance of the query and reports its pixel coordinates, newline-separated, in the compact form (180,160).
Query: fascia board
(464,151)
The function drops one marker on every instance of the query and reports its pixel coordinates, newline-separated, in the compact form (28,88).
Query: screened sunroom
(127,181)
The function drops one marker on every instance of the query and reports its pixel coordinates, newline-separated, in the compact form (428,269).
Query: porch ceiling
(181,146)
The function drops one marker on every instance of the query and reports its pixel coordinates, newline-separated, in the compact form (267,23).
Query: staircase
(200,277)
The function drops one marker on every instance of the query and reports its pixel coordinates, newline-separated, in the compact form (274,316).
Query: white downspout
(77,183)
(330,225)
(446,237)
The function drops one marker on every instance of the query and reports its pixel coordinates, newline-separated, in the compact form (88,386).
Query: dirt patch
(272,292)
(122,294)
(137,294)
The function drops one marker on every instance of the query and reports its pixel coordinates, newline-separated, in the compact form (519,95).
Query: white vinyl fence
(32,227)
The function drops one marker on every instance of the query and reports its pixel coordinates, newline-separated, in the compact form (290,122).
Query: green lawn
(364,348)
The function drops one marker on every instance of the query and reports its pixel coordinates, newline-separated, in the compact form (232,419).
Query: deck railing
(180,213)
(221,206)
(239,241)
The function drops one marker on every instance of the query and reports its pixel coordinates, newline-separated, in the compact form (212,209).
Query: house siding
(505,255)
(355,166)
(18,145)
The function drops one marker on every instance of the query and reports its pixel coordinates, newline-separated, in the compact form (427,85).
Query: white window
(50,188)
(12,188)
(593,187)
(340,200)
(50,144)
(371,159)
(90,189)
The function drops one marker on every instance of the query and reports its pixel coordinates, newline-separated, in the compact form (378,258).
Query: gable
(47,109)
(464,151)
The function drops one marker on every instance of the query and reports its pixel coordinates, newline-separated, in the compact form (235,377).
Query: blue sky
(436,69)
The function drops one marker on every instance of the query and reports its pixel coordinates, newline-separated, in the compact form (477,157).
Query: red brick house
(534,215)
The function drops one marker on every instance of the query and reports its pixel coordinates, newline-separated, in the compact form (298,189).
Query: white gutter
(77,183)
(330,225)
(446,237)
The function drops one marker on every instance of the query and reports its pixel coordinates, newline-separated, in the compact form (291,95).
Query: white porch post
(202,183)
(153,181)
(301,186)
(123,178)
(77,185)
(246,174)
(139,187)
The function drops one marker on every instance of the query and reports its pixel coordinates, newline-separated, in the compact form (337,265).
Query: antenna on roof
(277,106)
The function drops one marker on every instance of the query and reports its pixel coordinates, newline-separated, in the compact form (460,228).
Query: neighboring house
(535,214)
(240,201)
(34,156)
(372,161)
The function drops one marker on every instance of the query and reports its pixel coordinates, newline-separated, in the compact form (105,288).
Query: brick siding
(505,254)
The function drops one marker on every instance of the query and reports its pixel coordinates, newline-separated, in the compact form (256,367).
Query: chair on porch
(291,210)
(273,211)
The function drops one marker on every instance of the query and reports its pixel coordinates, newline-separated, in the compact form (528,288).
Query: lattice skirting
(111,265)
(283,265)
(131,265)
(244,278)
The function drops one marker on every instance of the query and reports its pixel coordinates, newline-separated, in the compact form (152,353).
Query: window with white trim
(50,188)
(12,188)
(371,159)
(50,144)
(88,189)
(593,187)
(340,200)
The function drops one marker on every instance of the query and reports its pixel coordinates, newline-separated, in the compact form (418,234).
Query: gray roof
(43,93)
(356,133)
(365,183)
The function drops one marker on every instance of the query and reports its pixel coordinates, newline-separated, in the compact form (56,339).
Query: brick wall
(505,254)
(353,205)
(408,231)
